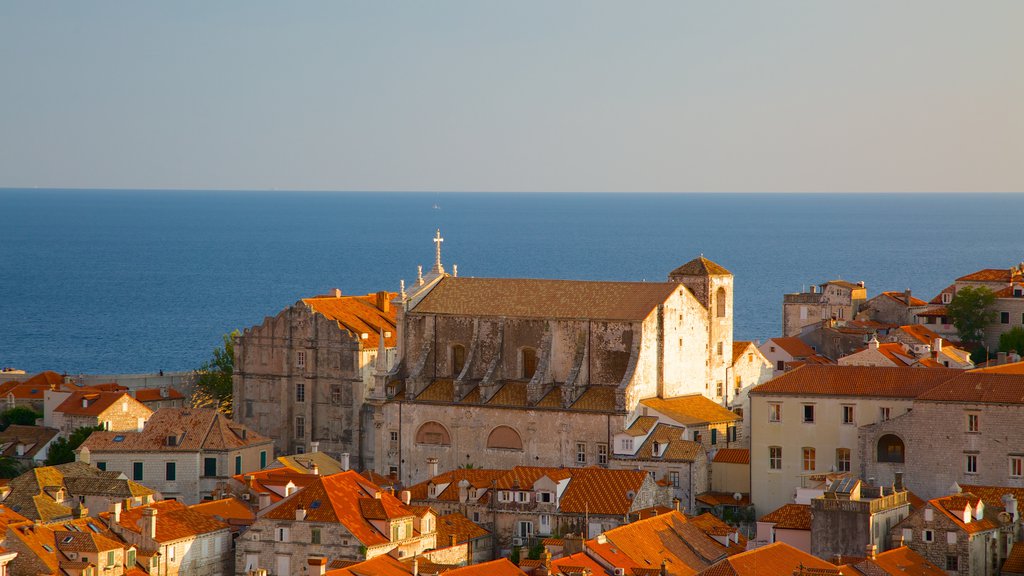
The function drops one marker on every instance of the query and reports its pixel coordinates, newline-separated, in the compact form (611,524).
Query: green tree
(62,450)
(1013,339)
(536,551)
(19,415)
(213,379)
(9,467)
(971,311)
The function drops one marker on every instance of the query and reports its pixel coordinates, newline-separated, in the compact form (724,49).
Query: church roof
(700,266)
(369,315)
(536,298)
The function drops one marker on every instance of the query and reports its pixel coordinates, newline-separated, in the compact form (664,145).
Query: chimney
(264,500)
(897,483)
(906,295)
(149,523)
(115,512)
(675,504)
(344,461)
(314,446)
(871,550)
(300,514)
(1001,358)
(406,496)
(463,491)
(20,449)
(432,466)
(937,345)
(83,454)
(164,392)
(416,566)
(664,567)
(317,566)
(1010,505)
(455,270)
(377,494)
(314,469)
(336,292)
(80,511)
(383,302)
(451,540)
(873,343)
(85,402)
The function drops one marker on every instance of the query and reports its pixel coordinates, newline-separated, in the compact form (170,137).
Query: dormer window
(172,440)
(947,297)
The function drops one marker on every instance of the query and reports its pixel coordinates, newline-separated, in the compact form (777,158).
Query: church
(487,372)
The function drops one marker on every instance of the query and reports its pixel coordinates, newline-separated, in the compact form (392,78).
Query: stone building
(50,494)
(302,376)
(749,368)
(81,547)
(28,445)
(500,372)
(851,517)
(115,411)
(338,517)
(184,453)
(897,308)
(786,353)
(833,300)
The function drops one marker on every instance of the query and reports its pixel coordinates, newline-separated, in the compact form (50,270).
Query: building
(833,300)
(157,398)
(341,516)
(851,517)
(899,308)
(778,558)
(806,423)
(184,453)
(749,368)
(80,548)
(29,445)
(455,530)
(896,562)
(52,493)
(302,376)
(790,523)
(114,411)
(729,497)
(789,352)
(834,339)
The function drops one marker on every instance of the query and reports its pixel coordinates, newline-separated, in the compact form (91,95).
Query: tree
(9,467)
(971,311)
(62,450)
(213,379)
(1011,340)
(19,415)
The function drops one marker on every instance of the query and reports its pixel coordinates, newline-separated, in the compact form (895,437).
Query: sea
(126,281)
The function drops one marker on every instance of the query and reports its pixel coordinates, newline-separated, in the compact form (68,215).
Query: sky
(673,96)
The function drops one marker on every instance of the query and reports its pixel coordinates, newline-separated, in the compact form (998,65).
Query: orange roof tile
(513,393)
(477,478)
(723,499)
(978,388)
(790,517)
(230,510)
(871,381)
(732,456)
(524,477)
(700,266)
(31,438)
(990,275)
(642,425)
(534,298)
(902,298)
(691,410)
(953,507)
(156,394)
(272,481)
(572,564)
(993,495)
(1014,564)
(1014,368)
(900,561)
(360,315)
(500,567)
(793,346)
(96,403)
(601,491)
(174,521)
(457,525)
(45,379)
(671,537)
(382,565)
(672,446)
(198,428)
(777,558)
(596,398)
(739,348)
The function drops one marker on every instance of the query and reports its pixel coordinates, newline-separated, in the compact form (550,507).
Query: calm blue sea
(138,281)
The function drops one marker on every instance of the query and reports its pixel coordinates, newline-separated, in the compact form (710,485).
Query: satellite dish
(737,496)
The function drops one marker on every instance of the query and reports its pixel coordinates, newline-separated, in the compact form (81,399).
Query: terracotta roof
(96,402)
(1014,368)
(900,561)
(8,516)
(32,438)
(360,315)
(230,510)
(953,507)
(274,480)
(739,348)
(732,456)
(901,297)
(523,477)
(672,537)
(304,463)
(723,499)
(777,558)
(601,491)
(29,491)
(700,266)
(611,555)
(73,541)
(106,486)
(641,426)
(500,567)
(793,346)
(513,393)
(871,381)
(338,498)
(382,565)
(533,298)
(678,449)
(978,388)
(992,496)
(691,410)
(378,479)
(596,398)
(196,428)
(1010,290)
(990,275)
(477,478)
(790,517)
(457,525)
(155,394)
(174,521)
(40,542)
(573,564)
(46,379)
(1014,562)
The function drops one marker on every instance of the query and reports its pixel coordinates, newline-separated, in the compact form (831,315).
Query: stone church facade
(486,371)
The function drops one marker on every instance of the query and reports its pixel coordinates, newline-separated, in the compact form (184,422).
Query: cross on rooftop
(437,262)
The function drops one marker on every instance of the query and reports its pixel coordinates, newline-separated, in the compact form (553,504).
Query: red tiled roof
(601,491)
(871,381)
(700,266)
(954,506)
(1014,368)
(500,567)
(978,387)
(524,477)
(226,510)
(198,428)
(902,298)
(174,521)
(793,346)
(990,275)
(535,298)
(723,499)
(155,394)
(790,517)
(672,537)
(457,525)
(732,456)
(360,315)
(96,402)
(692,409)
(1014,564)
(777,559)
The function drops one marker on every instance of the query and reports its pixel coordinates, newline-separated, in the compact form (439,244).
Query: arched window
(505,438)
(529,357)
(433,433)
(458,359)
(720,302)
(890,449)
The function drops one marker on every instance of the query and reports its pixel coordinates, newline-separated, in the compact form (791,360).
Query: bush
(62,450)
(19,415)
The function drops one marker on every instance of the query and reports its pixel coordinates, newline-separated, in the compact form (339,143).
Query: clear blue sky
(915,95)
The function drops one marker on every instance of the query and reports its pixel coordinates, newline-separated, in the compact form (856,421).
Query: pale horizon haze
(674,96)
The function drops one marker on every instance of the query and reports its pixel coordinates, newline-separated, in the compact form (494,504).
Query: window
(300,392)
(808,459)
(476,517)
(314,536)
(300,427)
(458,359)
(504,496)
(809,413)
(394,436)
(335,395)
(971,464)
(730,434)
(544,497)
(209,466)
(137,471)
(170,553)
(848,415)
(950,537)
(433,433)
(890,449)
(780,365)
(602,453)
(842,459)
(102,466)
(110,558)
(282,534)
(504,438)
(300,359)
(714,436)
(522,497)
(928,536)
(529,362)
(1004,317)
(972,422)
(674,478)
(947,297)
(883,413)
(775,457)
(718,388)
(581,453)
(952,563)
(263,459)
(1016,466)
(774,412)
(238,464)
(720,304)
(720,348)
(170,473)
(627,444)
